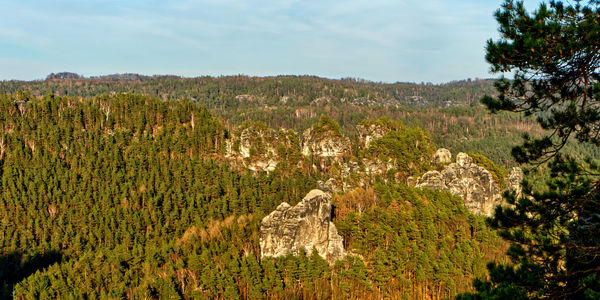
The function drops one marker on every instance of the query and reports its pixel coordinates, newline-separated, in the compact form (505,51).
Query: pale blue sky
(380,40)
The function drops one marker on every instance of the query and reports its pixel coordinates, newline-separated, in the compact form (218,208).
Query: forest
(112,194)
(129,196)
(450,112)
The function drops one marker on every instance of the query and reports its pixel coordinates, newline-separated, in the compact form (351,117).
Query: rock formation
(255,146)
(324,145)
(375,167)
(305,226)
(514,181)
(254,149)
(464,178)
(330,186)
(369,132)
(442,157)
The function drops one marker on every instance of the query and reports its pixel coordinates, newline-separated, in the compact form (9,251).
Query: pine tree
(554,53)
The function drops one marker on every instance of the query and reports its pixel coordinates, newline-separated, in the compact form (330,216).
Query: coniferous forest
(128,196)
(124,195)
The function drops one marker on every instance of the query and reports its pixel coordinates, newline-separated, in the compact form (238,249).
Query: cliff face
(473,183)
(257,147)
(325,145)
(305,226)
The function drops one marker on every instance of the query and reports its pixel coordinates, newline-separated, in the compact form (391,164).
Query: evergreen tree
(554,53)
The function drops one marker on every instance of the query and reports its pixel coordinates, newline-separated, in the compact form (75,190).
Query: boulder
(305,226)
(442,157)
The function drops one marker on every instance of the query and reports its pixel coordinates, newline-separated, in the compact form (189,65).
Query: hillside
(130,196)
(111,194)
(450,112)
(232,91)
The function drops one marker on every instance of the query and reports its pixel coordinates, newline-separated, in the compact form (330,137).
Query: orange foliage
(357,200)
(212,231)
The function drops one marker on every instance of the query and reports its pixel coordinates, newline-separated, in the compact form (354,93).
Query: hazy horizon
(381,41)
(251,76)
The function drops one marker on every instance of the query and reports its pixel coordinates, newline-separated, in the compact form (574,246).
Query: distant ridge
(350,80)
(123,76)
(63,75)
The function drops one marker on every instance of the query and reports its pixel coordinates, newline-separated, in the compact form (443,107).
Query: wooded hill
(110,194)
(232,91)
(450,112)
(128,196)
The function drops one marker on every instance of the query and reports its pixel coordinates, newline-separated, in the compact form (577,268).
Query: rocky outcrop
(514,181)
(473,183)
(305,226)
(442,157)
(375,167)
(367,133)
(330,185)
(324,145)
(255,147)
(325,148)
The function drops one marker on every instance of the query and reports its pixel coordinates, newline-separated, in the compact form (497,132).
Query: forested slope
(129,196)
(228,91)
(450,112)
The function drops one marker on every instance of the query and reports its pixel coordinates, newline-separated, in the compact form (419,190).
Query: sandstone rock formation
(324,145)
(330,185)
(442,157)
(254,147)
(473,183)
(514,181)
(375,167)
(305,226)
(245,149)
(369,132)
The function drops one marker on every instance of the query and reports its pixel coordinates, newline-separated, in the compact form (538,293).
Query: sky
(379,40)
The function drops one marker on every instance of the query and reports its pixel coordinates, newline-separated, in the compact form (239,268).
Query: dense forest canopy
(129,196)
(118,187)
(154,187)
(221,92)
(450,112)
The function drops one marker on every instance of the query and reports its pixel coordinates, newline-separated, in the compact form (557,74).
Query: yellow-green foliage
(288,148)
(422,244)
(410,147)
(384,123)
(326,125)
(498,172)
(119,205)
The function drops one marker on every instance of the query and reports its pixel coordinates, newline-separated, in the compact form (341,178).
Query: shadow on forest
(16,266)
